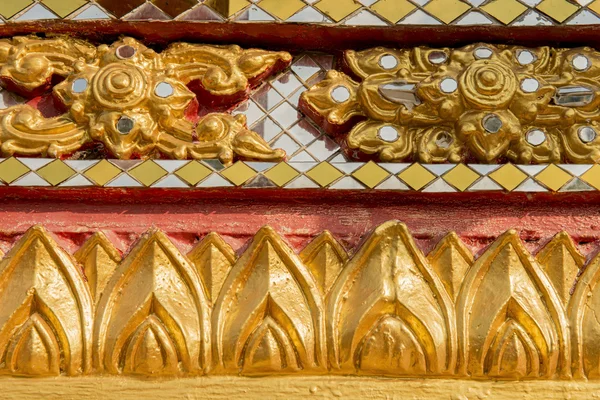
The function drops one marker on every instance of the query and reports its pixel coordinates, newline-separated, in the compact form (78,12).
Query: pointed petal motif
(213,259)
(269,315)
(151,350)
(99,259)
(390,277)
(451,259)
(34,350)
(391,348)
(155,288)
(507,286)
(584,309)
(561,261)
(46,314)
(325,258)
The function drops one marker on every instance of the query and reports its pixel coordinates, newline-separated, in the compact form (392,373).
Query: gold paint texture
(476,103)
(132,99)
(386,311)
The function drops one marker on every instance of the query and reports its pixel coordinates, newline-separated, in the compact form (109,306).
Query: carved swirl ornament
(386,310)
(134,101)
(479,103)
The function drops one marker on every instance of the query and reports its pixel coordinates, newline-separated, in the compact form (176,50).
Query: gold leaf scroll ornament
(483,102)
(137,102)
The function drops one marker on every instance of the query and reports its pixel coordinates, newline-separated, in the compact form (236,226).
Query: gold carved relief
(479,102)
(134,101)
(46,315)
(389,310)
(512,320)
(269,317)
(154,315)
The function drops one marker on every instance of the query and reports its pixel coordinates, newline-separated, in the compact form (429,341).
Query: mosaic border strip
(188,174)
(328,12)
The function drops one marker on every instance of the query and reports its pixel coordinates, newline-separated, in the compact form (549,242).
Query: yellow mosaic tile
(446,10)
(337,9)
(283,9)
(147,172)
(595,6)
(592,176)
(370,174)
(238,173)
(11,169)
(102,172)
(55,172)
(62,8)
(504,10)
(560,10)
(281,174)
(228,7)
(461,177)
(393,10)
(324,174)
(8,8)
(553,177)
(193,172)
(508,176)
(416,176)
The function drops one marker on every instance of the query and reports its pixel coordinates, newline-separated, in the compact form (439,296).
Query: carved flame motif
(483,102)
(269,317)
(213,259)
(325,258)
(389,306)
(512,320)
(451,259)
(389,310)
(153,317)
(133,100)
(46,314)
(99,259)
(583,312)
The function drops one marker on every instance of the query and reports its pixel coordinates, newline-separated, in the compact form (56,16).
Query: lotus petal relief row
(386,310)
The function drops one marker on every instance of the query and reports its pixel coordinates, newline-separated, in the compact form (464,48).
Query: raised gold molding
(479,102)
(385,311)
(134,101)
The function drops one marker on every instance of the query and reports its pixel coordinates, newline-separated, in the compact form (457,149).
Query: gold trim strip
(293,388)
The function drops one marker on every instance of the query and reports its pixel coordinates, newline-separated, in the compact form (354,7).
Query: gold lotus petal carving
(154,304)
(482,102)
(134,101)
(389,310)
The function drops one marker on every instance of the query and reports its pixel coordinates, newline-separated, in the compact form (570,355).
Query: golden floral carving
(488,103)
(134,101)
(385,310)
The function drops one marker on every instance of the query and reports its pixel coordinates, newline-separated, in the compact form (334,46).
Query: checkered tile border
(326,12)
(185,174)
